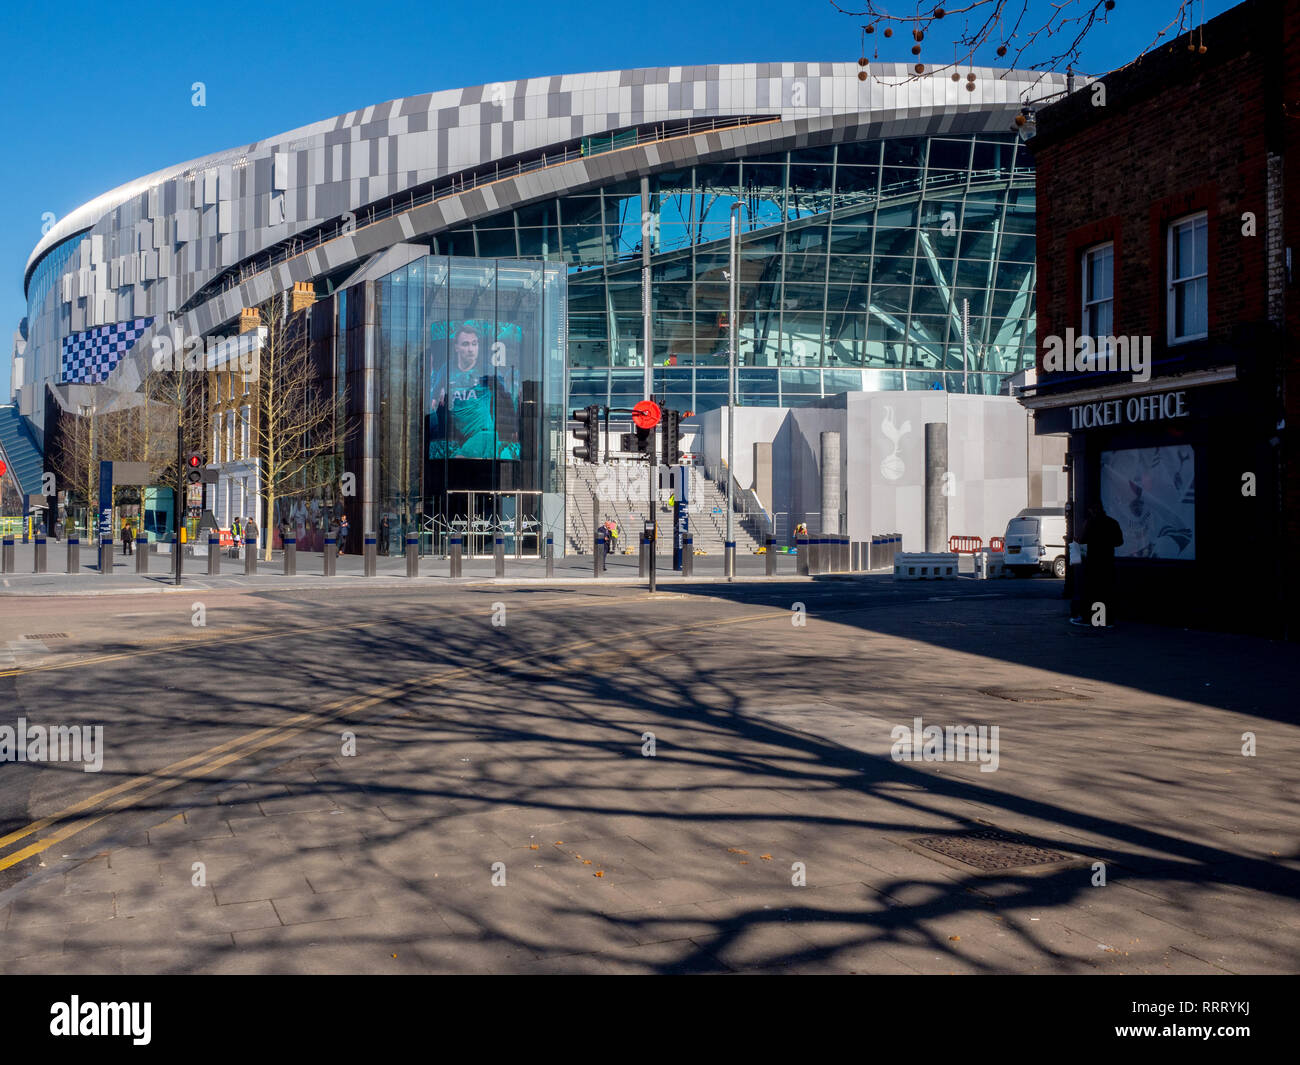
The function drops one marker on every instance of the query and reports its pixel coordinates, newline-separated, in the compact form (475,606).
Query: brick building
(1167,226)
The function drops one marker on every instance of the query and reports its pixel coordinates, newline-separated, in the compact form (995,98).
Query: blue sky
(97,94)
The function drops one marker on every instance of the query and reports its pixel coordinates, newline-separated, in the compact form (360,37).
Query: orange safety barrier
(997,543)
(965,545)
(226,537)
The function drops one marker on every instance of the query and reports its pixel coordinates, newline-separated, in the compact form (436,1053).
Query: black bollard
(412,555)
(291,556)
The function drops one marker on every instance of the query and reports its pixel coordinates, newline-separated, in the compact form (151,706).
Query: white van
(1035,541)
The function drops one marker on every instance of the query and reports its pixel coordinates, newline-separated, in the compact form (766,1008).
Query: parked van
(1035,541)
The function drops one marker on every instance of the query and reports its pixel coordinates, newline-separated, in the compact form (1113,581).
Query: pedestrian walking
(1101,535)
(343,534)
(384,527)
(251,531)
(127,536)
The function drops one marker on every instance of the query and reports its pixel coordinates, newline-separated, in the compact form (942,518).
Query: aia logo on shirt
(462,395)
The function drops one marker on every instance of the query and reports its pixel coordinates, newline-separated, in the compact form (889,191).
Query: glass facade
(470,379)
(47,273)
(905,263)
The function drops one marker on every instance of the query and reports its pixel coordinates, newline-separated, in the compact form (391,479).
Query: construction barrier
(997,544)
(965,545)
(988,567)
(923,566)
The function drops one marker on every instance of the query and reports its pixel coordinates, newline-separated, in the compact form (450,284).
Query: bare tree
(293,430)
(1051,33)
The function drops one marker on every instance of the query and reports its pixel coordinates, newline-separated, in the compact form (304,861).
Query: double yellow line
(95,808)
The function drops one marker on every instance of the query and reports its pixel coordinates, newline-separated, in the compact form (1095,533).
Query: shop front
(1185,466)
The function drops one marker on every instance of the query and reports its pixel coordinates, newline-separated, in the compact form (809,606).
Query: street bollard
(331,556)
(801,555)
(7,555)
(550,555)
(643,565)
(770,543)
(412,555)
(844,555)
(142,554)
(250,556)
(499,555)
(371,550)
(688,555)
(74,554)
(106,555)
(855,554)
(455,556)
(729,558)
(214,555)
(38,555)
(291,556)
(598,553)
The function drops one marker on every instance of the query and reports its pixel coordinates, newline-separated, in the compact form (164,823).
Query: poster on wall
(474,394)
(1150,491)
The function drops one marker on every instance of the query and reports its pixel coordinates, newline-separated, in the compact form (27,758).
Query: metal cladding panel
(319,172)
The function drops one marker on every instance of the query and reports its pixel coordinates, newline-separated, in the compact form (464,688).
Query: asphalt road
(493,723)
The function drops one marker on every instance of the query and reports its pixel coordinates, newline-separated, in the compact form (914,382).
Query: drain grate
(1035,695)
(990,850)
(46,636)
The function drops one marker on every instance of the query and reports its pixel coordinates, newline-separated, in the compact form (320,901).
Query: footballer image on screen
(474,404)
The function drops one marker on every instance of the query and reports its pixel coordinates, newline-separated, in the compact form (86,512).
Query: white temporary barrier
(921,567)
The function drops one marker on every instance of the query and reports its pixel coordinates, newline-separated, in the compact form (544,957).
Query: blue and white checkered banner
(89,357)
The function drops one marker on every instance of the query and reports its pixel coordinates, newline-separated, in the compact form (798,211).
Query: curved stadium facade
(887,241)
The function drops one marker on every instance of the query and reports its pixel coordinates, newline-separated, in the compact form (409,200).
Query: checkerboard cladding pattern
(89,357)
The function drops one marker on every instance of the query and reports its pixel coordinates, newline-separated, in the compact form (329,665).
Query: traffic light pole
(180,473)
(650,478)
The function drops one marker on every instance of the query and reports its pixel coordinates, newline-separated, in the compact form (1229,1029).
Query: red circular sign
(646,414)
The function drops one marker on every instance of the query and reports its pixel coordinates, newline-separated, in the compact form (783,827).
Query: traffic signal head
(587,434)
(638,442)
(672,437)
(194,468)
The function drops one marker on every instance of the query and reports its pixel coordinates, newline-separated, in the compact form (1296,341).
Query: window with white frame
(244,430)
(230,436)
(1099,291)
(1187,255)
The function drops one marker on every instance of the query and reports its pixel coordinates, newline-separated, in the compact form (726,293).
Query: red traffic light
(646,414)
(195,461)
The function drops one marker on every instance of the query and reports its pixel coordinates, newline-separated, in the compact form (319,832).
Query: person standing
(127,536)
(343,534)
(384,528)
(1101,535)
(251,531)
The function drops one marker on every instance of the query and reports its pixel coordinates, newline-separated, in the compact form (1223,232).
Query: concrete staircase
(623,494)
